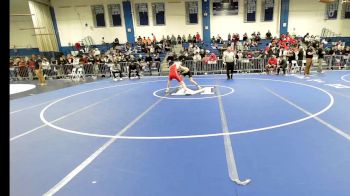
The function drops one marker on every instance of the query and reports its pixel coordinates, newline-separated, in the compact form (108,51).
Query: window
(158,13)
(332,10)
(225,7)
(98,15)
(141,13)
(267,10)
(115,18)
(191,12)
(249,10)
(345,10)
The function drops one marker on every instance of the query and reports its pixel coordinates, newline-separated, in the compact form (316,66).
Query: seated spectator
(245,37)
(157,58)
(268,35)
(272,64)
(213,40)
(117,69)
(134,65)
(347,50)
(212,58)
(189,38)
(179,39)
(282,65)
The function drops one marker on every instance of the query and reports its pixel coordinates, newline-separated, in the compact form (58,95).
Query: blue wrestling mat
(288,135)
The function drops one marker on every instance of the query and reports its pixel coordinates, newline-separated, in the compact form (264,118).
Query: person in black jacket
(321,53)
(282,65)
(309,55)
(134,65)
(149,62)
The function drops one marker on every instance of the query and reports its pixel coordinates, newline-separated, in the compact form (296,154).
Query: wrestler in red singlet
(173,74)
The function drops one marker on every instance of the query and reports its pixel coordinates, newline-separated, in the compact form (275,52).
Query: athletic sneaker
(115,79)
(199,87)
(121,78)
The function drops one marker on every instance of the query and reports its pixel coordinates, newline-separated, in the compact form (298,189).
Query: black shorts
(189,74)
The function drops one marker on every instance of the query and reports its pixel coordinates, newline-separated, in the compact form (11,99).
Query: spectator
(39,73)
(282,65)
(309,55)
(117,69)
(268,35)
(198,38)
(272,64)
(320,53)
(197,57)
(154,40)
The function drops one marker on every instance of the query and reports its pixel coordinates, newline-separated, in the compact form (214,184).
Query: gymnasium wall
(235,23)
(21,38)
(72,17)
(175,20)
(308,16)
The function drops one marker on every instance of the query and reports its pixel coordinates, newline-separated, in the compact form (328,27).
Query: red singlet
(173,74)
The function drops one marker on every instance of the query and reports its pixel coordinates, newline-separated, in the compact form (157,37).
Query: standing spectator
(229,38)
(39,72)
(321,54)
(197,57)
(198,38)
(154,39)
(301,53)
(148,61)
(309,56)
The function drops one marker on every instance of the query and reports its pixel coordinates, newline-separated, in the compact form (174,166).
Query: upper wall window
(332,10)
(158,13)
(267,10)
(191,12)
(225,7)
(98,15)
(141,10)
(115,18)
(345,10)
(249,10)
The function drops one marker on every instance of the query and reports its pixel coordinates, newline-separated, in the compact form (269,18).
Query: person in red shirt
(198,37)
(271,65)
(174,74)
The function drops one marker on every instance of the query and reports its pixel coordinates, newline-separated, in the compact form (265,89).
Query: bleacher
(216,51)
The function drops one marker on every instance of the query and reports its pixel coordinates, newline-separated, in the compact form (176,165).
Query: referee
(228,60)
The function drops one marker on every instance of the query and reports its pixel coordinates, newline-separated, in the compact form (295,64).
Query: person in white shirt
(228,60)
(197,57)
